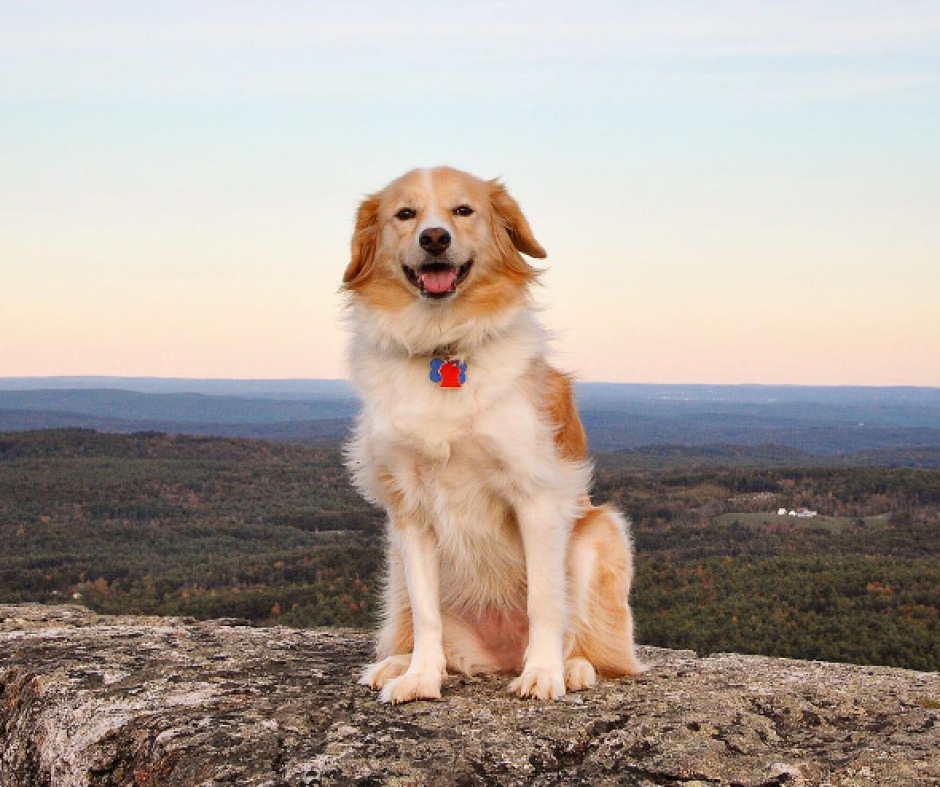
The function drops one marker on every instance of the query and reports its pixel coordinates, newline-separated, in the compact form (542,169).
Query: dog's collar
(446,351)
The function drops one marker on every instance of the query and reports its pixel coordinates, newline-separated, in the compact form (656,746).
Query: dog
(497,561)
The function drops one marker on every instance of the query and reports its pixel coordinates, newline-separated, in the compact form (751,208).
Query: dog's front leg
(544,537)
(422,679)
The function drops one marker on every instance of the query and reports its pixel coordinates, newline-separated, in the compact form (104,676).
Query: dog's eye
(405,214)
(463,210)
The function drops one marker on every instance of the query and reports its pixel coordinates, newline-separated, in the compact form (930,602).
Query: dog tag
(448,373)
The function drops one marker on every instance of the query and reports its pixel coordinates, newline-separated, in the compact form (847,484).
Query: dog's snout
(434,240)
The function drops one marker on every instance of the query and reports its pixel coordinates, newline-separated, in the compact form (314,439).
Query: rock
(93,700)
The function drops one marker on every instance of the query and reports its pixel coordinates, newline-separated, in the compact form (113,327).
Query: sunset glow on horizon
(728,193)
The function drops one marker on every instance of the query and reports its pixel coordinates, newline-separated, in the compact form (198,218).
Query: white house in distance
(802,513)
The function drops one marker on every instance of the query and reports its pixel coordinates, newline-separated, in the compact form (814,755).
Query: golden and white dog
(497,561)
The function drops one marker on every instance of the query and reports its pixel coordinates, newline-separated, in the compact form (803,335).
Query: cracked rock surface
(93,700)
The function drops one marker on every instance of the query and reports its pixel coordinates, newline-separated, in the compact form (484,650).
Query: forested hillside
(272,532)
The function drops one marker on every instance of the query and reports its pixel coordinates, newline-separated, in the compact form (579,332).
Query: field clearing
(831,524)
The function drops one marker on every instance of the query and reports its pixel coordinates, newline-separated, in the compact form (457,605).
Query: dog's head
(443,238)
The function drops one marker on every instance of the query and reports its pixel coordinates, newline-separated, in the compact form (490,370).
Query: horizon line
(63,377)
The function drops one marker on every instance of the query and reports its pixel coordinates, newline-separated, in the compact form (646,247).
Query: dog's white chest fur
(463,458)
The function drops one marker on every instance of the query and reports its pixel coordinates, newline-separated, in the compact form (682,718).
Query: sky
(729,192)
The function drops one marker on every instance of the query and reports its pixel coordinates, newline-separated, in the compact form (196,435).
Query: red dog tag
(448,374)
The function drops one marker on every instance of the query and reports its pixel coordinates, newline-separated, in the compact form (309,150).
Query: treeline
(865,610)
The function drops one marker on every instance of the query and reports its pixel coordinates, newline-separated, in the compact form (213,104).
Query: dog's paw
(375,676)
(579,674)
(412,686)
(541,683)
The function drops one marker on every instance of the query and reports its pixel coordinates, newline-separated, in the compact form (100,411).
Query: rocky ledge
(92,700)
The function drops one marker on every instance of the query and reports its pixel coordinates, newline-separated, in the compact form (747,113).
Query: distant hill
(816,420)
(178,407)
(264,389)
(329,429)
(763,455)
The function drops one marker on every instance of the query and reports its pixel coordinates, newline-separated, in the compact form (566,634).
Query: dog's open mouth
(437,279)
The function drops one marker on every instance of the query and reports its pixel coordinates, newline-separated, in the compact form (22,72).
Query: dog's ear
(364,242)
(513,221)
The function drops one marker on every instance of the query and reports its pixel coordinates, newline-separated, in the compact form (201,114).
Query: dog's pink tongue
(438,281)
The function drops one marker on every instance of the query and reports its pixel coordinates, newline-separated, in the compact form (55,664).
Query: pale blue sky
(728,192)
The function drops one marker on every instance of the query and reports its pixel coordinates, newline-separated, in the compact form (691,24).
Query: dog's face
(442,237)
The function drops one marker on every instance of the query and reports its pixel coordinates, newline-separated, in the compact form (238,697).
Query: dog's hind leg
(375,676)
(600,572)
(579,673)
(396,637)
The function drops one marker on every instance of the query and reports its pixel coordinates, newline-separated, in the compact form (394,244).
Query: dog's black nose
(434,240)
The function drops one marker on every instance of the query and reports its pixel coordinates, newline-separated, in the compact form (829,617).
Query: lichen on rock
(94,700)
